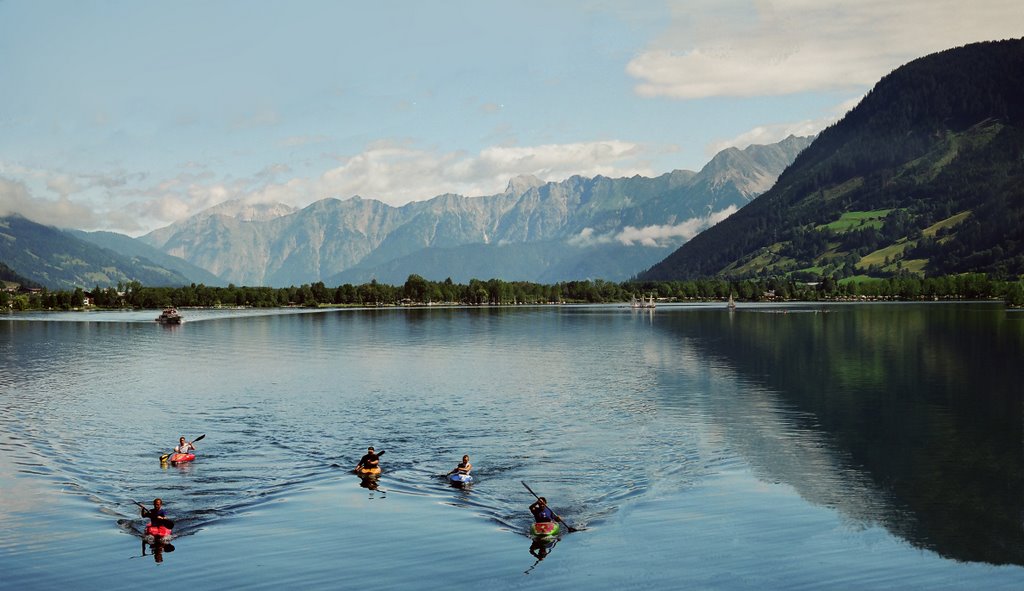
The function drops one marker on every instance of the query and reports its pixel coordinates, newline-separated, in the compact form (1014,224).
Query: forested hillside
(136,249)
(925,176)
(58,260)
(9,277)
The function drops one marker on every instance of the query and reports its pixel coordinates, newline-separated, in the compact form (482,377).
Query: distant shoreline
(418,292)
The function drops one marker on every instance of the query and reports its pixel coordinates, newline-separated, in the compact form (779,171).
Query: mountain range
(925,176)
(533,231)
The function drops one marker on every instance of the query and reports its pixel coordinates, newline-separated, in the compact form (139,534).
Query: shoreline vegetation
(418,291)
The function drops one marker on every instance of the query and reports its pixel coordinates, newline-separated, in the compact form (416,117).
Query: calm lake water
(854,446)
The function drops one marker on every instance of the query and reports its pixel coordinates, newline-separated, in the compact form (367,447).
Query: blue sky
(128,116)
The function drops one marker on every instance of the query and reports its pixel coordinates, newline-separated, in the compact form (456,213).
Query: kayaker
(462,468)
(542,513)
(369,461)
(157,516)
(184,447)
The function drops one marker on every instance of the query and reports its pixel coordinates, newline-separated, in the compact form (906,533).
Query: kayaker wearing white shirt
(463,468)
(184,447)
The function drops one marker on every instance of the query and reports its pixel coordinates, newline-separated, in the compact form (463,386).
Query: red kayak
(178,458)
(157,531)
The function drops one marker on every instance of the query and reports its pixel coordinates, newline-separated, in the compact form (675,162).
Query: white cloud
(63,185)
(179,197)
(15,198)
(62,204)
(395,172)
(557,161)
(653,236)
(587,237)
(770,134)
(759,48)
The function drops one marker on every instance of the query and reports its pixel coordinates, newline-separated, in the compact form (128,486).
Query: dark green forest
(418,291)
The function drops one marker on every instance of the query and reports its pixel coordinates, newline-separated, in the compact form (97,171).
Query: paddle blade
(199,438)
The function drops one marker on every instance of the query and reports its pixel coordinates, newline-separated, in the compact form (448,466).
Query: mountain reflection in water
(905,415)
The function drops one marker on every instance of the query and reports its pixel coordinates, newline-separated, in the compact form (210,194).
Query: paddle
(164,457)
(166,522)
(557,518)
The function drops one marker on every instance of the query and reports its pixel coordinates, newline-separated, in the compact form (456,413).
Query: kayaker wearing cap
(542,513)
(369,461)
(462,468)
(184,447)
(157,516)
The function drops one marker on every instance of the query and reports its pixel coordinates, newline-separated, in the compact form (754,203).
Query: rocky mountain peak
(251,212)
(523,183)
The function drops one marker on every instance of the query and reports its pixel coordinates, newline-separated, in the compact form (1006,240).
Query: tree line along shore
(417,291)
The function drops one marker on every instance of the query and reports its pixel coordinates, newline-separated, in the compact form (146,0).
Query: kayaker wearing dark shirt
(542,513)
(369,461)
(157,516)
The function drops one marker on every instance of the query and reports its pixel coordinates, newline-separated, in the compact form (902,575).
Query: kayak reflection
(540,549)
(157,548)
(182,467)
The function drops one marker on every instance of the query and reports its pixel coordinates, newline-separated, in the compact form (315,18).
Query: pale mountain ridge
(355,237)
(251,212)
(523,183)
(236,209)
